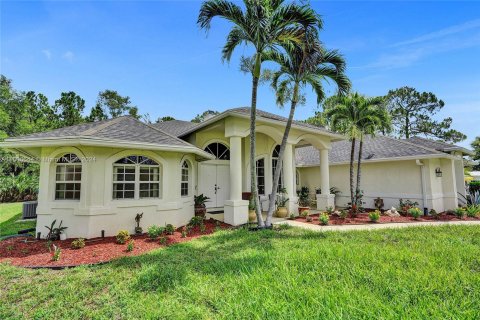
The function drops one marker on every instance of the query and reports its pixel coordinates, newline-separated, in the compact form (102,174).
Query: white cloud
(47,54)
(68,56)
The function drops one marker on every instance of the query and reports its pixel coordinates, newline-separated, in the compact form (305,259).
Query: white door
(214,182)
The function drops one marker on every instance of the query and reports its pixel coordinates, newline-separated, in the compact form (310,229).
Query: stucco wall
(97,210)
(391,181)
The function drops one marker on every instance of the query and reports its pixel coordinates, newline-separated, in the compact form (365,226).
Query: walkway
(373,226)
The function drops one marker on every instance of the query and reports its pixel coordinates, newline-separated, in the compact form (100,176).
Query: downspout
(424,186)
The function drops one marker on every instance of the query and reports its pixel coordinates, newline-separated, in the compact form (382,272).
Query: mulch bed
(362,218)
(28,252)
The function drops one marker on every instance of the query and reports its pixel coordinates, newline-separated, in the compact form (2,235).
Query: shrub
(154,231)
(123,236)
(459,213)
(203,228)
(374,216)
(406,205)
(304,213)
(434,213)
(472,211)
(292,216)
(415,212)
(196,221)
(323,218)
(184,232)
(78,243)
(330,210)
(343,214)
(163,240)
(170,229)
(474,186)
(309,219)
(130,245)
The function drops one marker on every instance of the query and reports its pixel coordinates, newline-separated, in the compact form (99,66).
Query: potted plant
(281,202)
(252,215)
(303,200)
(200,209)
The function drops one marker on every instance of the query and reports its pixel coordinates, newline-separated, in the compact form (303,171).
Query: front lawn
(413,273)
(9,214)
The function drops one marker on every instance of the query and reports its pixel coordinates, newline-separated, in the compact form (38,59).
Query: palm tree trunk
(253,167)
(352,157)
(359,163)
(278,169)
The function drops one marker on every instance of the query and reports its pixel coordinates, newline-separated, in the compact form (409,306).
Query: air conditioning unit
(29,210)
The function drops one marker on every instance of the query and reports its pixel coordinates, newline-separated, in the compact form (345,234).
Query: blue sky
(153,52)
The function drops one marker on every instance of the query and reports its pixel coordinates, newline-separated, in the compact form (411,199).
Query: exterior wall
(97,210)
(392,181)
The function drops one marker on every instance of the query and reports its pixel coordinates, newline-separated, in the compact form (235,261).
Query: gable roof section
(438,145)
(124,130)
(374,149)
(175,127)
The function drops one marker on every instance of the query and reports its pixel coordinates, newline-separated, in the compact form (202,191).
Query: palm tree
(378,120)
(354,115)
(266,25)
(307,64)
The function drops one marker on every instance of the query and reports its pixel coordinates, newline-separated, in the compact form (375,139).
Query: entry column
(325,199)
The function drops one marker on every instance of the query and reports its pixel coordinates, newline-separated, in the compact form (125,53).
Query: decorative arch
(316,141)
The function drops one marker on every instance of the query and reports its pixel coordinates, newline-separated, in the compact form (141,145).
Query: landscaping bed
(363,218)
(29,252)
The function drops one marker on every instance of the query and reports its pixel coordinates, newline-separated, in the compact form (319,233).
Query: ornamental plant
(473,211)
(130,245)
(415,212)
(169,229)
(123,236)
(323,218)
(154,231)
(374,216)
(56,253)
(78,243)
(459,213)
(434,214)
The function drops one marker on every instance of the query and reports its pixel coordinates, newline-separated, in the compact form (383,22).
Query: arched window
(185,185)
(68,176)
(275,154)
(219,150)
(136,177)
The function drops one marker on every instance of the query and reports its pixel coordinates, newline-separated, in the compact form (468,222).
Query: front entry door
(214,182)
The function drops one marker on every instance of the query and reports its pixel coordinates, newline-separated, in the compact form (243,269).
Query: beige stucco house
(97,176)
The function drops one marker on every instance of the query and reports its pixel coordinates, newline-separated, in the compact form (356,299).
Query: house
(421,170)
(97,176)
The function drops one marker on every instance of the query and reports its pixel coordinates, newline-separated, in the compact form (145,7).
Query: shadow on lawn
(11,226)
(226,253)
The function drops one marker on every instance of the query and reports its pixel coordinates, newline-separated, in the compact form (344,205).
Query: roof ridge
(102,126)
(411,144)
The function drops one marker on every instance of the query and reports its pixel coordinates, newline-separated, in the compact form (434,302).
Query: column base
(235,212)
(292,206)
(325,200)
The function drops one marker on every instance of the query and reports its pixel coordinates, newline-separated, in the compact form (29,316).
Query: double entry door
(214,182)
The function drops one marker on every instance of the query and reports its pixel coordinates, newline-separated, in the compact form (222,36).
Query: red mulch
(362,218)
(34,253)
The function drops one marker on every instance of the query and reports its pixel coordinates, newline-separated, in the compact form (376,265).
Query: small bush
(415,212)
(309,219)
(203,228)
(473,211)
(78,243)
(434,214)
(130,245)
(323,218)
(374,216)
(305,213)
(184,232)
(292,216)
(163,240)
(123,236)
(343,214)
(459,213)
(154,231)
(170,229)
(196,221)
(330,210)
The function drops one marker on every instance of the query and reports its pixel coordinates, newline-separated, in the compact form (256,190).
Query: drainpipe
(424,186)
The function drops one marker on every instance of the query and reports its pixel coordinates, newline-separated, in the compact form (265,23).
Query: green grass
(9,214)
(412,273)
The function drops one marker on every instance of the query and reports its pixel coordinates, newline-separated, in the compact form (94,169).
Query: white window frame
(187,182)
(137,182)
(72,161)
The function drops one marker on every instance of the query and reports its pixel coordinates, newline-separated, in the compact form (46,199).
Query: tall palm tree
(378,120)
(305,64)
(266,25)
(353,115)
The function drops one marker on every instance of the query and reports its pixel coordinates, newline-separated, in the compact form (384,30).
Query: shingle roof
(379,147)
(175,127)
(437,145)
(125,128)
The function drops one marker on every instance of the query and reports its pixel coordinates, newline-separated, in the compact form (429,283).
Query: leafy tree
(308,64)
(318,119)
(133,112)
(355,116)
(96,114)
(112,103)
(165,119)
(204,116)
(476,148)
(265,25)
(70,107)
(412,111)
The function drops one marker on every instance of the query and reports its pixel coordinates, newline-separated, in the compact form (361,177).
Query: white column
(324,172)
(325,199)
(235,168)
(288,177)
(236,209)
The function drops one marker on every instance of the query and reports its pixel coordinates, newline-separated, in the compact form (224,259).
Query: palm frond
(220,8)
(234,38)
